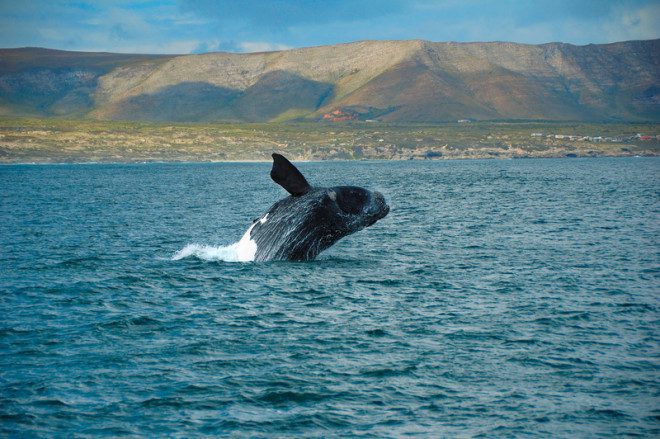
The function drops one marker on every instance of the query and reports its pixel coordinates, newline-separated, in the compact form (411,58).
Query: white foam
(241,251)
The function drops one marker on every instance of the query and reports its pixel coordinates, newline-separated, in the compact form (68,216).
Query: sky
(199,26)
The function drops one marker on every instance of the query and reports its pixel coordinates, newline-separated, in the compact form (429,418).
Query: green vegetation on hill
(58,140)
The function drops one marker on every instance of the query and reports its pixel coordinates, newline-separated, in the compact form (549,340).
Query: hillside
(393,81)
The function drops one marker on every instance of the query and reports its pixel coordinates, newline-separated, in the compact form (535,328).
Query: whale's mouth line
(379,216)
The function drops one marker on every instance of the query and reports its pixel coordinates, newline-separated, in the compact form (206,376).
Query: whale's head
(357,207)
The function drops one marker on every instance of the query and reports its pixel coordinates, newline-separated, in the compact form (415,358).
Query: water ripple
(498,299)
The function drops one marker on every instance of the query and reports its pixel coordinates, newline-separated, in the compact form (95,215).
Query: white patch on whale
(241,251)
(246,248)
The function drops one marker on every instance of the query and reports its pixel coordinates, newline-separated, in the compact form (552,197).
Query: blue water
(498,298)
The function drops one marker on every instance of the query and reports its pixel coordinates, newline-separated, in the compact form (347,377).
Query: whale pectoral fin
(288,176)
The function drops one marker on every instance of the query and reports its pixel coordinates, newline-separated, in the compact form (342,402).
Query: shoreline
(43,141)
(208,162)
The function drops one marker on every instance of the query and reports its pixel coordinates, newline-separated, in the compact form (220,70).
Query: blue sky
(197,26)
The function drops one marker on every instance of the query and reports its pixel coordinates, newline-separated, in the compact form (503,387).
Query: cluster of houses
(339,116)
(596,139)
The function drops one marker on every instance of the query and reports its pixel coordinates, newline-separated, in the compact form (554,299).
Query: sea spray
(241,251)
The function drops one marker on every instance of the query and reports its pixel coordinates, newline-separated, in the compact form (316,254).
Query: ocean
(499,298)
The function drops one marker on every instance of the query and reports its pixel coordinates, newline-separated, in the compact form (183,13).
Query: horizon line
(328,45)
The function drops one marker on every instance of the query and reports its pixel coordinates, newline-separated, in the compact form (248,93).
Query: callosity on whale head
(311,219)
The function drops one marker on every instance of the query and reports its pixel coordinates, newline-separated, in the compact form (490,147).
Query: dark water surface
(498,298)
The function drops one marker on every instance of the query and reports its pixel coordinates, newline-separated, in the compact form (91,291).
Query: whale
(310,219)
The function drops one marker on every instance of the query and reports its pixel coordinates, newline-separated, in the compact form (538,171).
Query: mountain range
(391,81)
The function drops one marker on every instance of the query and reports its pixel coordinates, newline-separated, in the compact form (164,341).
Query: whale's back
(295,228)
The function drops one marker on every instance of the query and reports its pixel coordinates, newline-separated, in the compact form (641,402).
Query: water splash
(241,251)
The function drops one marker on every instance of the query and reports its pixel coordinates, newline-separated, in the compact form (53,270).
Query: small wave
(241,251)
(54,402)
(79,261)
(377,332)
(172,401)
(607,413)
(128,323)
(291,397)
(389,372)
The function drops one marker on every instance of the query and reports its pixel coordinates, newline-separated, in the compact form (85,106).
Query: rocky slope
(397,81)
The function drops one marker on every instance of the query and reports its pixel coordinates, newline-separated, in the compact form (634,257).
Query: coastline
(52,141)
(208,162)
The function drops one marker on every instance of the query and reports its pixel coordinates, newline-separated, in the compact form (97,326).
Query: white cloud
(261,46)
(638,24)
(169,48)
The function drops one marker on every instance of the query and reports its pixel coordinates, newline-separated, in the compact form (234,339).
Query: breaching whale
(310,220)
